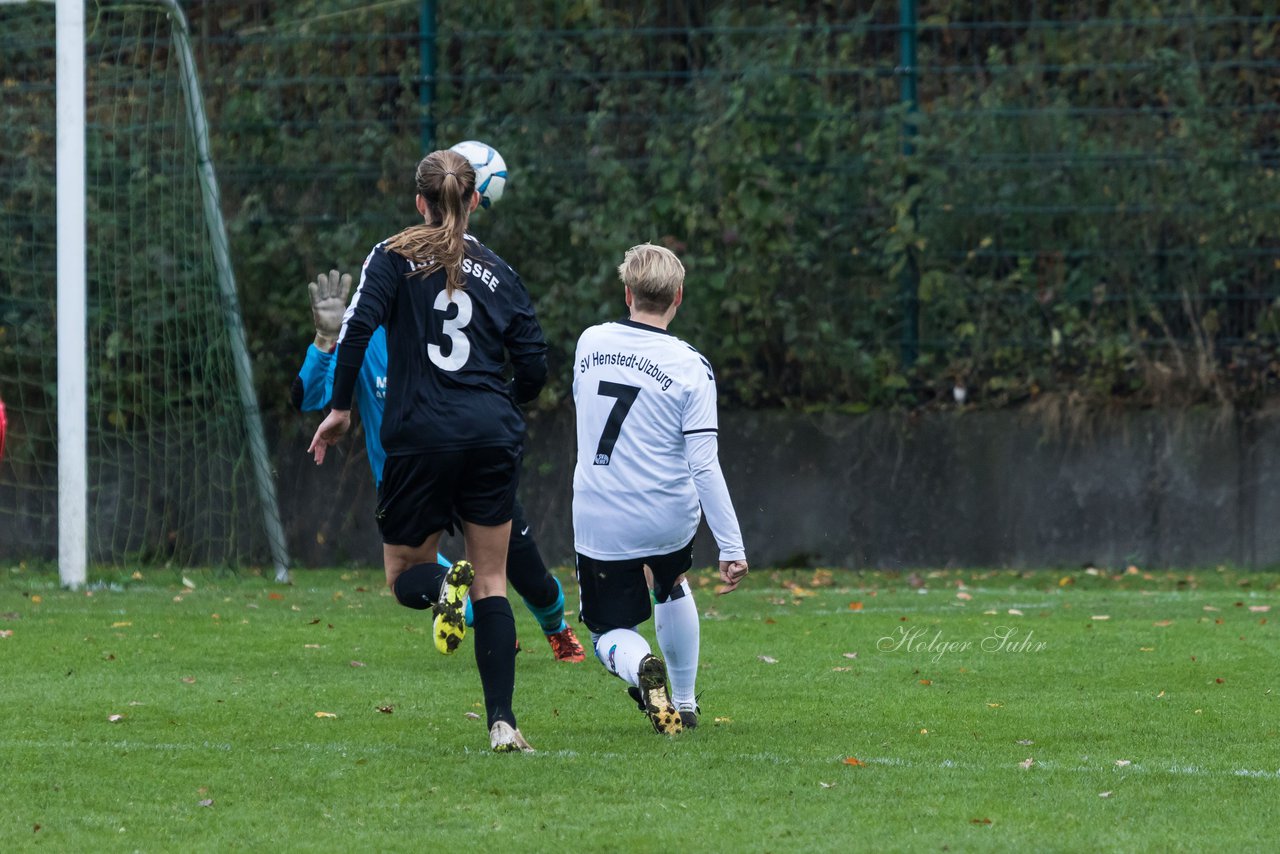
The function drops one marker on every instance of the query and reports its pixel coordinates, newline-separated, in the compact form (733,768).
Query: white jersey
(642,395)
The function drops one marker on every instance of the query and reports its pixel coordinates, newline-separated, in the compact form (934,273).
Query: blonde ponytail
(446,181)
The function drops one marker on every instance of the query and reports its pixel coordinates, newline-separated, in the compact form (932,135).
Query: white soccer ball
(491,169)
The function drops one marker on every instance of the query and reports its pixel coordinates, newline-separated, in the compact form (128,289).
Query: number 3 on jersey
(460,345)
(626,395)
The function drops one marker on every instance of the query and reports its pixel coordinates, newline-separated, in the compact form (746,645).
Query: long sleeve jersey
(446,358)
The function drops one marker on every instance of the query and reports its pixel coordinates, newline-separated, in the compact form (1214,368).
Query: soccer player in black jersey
(454,313)
(541,591)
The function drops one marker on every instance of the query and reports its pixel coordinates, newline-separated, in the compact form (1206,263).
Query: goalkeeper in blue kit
(312,389)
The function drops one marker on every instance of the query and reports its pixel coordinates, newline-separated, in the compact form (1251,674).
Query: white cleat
(504,738)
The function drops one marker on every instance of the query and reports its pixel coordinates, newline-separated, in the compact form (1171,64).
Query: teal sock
(550,617)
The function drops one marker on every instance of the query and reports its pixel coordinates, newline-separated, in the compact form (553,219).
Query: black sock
(528,573)
(495,630)
(418,587)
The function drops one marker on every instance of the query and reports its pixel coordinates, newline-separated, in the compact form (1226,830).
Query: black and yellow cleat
(450,625)
(657,702)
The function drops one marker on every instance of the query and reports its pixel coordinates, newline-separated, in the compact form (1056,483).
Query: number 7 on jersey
(625,396)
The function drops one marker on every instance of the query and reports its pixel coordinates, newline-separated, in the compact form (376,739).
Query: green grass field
(170,711)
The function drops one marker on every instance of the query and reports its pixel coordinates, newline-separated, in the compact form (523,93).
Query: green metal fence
(1075,200)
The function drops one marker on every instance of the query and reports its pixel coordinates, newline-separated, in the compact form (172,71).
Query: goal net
(176,467)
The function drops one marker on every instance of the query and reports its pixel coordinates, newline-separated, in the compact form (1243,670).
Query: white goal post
(72,261)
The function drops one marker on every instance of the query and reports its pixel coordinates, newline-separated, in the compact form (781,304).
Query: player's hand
(328,303)
(331,429)
(731,573)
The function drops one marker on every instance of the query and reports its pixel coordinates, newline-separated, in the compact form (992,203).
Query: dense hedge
(1090,210)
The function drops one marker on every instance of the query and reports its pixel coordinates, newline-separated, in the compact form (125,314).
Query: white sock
(676,624)
(620,651)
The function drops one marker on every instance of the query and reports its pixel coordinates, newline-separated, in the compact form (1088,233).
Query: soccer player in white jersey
(647,468)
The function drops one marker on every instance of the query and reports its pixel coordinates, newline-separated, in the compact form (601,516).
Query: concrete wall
(980,489)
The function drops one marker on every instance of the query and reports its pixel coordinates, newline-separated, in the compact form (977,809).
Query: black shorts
(423,493)
(614,592)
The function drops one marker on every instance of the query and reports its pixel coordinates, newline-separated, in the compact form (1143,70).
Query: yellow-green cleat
(450,625)
(654,698)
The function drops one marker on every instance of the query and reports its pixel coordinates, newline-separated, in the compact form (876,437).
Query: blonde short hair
(654,274)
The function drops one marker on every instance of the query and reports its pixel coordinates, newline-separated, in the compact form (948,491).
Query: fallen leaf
(207,802)
(1104,794)
(965,596)
(826,785)
(1259,609)
(386,710)
(1146,649)
(325,715)
(980,821)
(188,583)
(994,705)
(1162,623)
(1198,712)
(1025,742)
(1101,617)
(1120,763)
(767,659)
(1026,763)
(471,715)
(924,732)
(1158,696)
(311,646)
(842,669)
(1220,680)
(1065,580)
(990,613)
(115,718)
(1211,608)
(855,606)
(137,576)
(6,633)
(36,600)
(275,596)
(850,655)
(1015,612)
(926,681)
(357,664)
(190,680)
(724,720)
(854,761)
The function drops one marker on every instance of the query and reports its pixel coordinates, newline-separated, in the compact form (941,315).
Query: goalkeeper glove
(328,304)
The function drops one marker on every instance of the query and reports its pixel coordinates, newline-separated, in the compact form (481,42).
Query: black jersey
(446,385)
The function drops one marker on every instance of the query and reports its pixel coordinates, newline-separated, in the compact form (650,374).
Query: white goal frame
(72,272)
